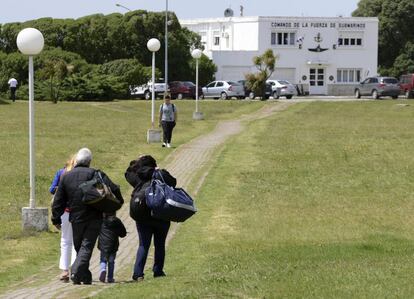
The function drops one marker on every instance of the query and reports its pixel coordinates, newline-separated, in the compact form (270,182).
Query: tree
(55,71)
(396,20)
(265,65)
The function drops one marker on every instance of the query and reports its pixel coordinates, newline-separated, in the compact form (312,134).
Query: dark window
(340,41)
(219,84)
(359,41)
(211,84)
(352,41)
(217,40)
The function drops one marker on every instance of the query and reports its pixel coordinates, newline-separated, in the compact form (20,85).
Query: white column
(153,90)
(196,85)
(31,135)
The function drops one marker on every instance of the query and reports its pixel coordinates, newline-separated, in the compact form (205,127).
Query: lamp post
(166,48)
(153,135)
(196,53)
(30,42)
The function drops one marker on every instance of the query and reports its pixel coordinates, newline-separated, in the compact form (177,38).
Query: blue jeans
(110,261)
(145,233)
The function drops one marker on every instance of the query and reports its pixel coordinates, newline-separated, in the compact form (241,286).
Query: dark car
(407,85)
(184,89)
(377,87)
(251,95)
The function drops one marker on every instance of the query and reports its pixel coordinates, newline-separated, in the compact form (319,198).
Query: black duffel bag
(97,194)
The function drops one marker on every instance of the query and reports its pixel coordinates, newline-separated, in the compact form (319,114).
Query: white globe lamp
(153,45)
(30,41)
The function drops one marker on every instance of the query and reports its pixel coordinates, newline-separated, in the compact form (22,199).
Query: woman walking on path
(139,175)
(67,251)
(168,120)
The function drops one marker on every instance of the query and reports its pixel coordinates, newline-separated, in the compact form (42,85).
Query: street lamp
(30,42)
(166,47)
(196,53)
(153,135)
(120,5)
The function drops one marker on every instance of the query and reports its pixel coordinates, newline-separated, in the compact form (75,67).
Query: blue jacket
(56,180)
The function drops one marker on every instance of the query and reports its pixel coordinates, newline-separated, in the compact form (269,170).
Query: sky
(23,10)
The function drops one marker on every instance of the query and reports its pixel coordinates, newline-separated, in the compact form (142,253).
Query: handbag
(97,194)
(168,203)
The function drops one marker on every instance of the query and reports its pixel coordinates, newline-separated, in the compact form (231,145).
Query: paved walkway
(185,161)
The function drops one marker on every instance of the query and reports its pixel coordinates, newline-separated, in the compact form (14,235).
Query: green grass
(116,134)
(315,202)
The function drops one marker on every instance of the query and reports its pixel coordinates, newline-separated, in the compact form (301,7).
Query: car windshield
(284,82)
(390,80)
(188,83)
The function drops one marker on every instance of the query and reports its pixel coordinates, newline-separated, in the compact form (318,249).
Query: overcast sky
(23,10)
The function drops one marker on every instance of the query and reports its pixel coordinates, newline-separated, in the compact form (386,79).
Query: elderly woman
(139,175)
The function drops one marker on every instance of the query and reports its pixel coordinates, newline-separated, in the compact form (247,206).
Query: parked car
(248,93)
(145,91)
(184,89)
(377,87)
(407,85)
(223,90)
(282,88)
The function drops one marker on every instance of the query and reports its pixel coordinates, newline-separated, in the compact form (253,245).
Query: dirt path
(185,161)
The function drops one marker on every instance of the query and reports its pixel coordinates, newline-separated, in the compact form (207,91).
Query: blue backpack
(168,203)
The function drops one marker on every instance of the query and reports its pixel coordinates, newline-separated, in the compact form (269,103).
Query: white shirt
(12,82)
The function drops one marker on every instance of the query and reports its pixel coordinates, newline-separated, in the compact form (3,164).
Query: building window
(283,38)
(217,40)
(349,41)
(348,75)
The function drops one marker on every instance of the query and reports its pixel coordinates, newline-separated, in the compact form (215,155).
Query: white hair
(84,157)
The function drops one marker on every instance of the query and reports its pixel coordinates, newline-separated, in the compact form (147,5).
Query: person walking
(67,251)
(108,243)
(13,86)
(86,221)
(139,175)
(168,120)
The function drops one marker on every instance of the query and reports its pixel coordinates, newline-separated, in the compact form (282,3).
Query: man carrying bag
(86,220)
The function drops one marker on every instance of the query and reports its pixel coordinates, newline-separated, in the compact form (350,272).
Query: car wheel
(147,95)
(179,96)
(395,97)
(357,94)
(375,94)
(223,96)
(251,95)
(289,97)
(276,95)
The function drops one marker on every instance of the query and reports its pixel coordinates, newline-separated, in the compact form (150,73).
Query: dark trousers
(108,260)
(84,239)
(167,128)
(145,233)
(13,93)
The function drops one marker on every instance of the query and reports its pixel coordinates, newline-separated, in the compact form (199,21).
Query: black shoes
(161,274)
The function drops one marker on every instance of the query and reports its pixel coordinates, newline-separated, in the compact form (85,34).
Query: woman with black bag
(139,175)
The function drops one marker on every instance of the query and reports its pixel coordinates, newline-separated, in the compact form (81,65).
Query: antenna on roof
(241,10)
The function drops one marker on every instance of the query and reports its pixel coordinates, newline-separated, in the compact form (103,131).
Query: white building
(320,55)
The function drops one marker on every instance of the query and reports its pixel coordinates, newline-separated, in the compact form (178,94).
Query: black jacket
(70,195)
(140,179)
(112,229)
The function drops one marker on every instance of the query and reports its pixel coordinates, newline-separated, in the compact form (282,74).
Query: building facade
(326,56)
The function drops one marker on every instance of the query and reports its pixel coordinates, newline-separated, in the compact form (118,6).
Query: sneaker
(168,145)
(164,144)
(138,278)
(102,276)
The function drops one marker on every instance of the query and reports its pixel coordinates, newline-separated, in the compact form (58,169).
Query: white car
(223,90)
(282,88)
(144,91)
